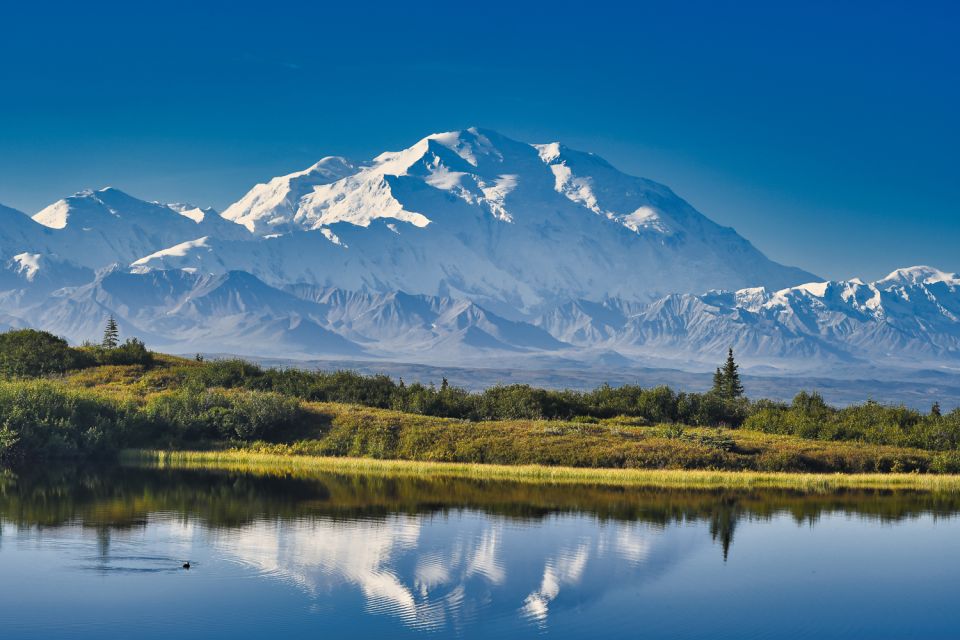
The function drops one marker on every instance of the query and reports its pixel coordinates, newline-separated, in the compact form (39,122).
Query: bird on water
(186,565)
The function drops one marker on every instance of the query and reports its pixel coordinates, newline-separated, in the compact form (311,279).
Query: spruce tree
(111,335)
(732,387)
(718,385)
(935,410)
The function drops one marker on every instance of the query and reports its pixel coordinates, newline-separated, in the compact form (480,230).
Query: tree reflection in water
(430,553)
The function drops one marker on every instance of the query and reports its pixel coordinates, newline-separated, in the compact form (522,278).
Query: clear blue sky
(828,133)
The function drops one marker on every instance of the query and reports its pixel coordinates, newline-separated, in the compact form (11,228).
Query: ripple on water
(134,564)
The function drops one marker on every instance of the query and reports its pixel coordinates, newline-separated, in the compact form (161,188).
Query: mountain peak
(329,166)
(476,212)
(471,144)
(448,247)
(468,213)
(108,193)
(271,206)
(918,275)
(92,208)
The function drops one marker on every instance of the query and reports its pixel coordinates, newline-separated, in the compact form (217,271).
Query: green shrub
(808,416)
(131,352)
(29,353)
(946,462)
(42,419)
(671,431)
(191,414)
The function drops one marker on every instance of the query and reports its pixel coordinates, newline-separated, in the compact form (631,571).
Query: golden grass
(592,451)
(273,464)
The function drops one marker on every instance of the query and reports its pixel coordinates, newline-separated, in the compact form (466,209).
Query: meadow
(88,403)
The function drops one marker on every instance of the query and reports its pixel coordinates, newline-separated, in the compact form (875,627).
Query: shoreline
(278,464)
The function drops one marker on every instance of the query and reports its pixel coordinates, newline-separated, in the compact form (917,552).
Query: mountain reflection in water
(451,555)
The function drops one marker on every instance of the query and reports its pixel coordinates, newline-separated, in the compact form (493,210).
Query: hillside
(96,409)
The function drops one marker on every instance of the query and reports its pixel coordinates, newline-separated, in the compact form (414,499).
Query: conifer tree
(935,410)
(718,386)
(111,335)
(732,387)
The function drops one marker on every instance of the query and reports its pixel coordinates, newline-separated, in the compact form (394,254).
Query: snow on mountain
(182,250)
(40,274)
(192,211)
(272,207)
(445,251)
(911,317)
(475,214)
(919,275)
(97,228)
(471,214)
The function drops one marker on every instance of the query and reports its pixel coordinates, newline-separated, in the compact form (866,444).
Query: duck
(186,565)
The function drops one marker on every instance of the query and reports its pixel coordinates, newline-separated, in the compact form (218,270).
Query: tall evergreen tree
(718,385)
(111,335)
(935,410)
(732,387)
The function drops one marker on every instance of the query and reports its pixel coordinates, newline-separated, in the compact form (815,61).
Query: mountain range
(467,247)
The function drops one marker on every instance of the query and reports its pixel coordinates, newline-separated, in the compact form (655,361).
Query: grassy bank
(287,465)
(342,430)
(103,409)
(59,402)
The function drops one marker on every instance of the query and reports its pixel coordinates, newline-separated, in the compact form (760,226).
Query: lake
(99,553)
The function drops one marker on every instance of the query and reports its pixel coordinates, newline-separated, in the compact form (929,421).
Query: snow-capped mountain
(469,214)
(477,215)
(465,247)
(911,317)
(98,228)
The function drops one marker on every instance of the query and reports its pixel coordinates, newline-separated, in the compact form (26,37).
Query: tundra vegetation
(58,401)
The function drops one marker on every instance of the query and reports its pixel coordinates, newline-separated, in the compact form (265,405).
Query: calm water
(98,555)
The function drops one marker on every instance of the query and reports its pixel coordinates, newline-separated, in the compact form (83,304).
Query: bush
(671,431)
(808,416)
(131,352)
(190,414)
(29,353)
(42,419)
(946,462)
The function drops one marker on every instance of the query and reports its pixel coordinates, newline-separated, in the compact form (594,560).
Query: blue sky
(825,132)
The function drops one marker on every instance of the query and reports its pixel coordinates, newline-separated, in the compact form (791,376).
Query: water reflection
(564,569)
(437,572)
(440,555)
